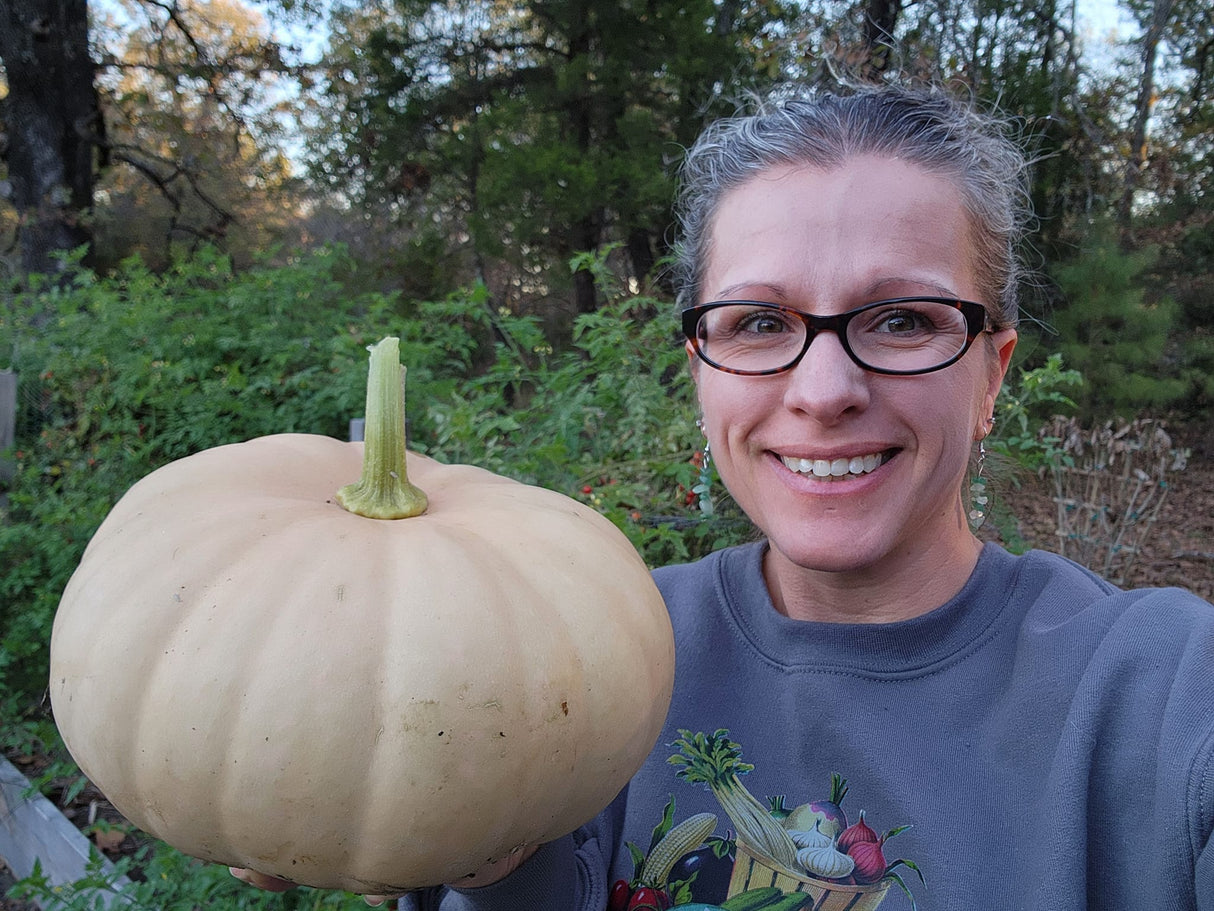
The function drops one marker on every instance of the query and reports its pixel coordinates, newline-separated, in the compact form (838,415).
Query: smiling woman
(848,285)
(848,236)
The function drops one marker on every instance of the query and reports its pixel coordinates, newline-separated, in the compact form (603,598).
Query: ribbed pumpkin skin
(263,679)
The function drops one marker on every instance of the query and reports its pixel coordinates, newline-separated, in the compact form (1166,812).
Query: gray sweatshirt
(1042,741)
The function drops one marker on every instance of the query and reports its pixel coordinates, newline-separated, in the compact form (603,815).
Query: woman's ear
(1003,343)
(693,362)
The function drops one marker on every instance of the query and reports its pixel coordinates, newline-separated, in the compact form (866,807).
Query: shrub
(120,375)
(610,421)
(1114,335)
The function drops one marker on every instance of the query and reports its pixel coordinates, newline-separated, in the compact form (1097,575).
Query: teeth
(837,468)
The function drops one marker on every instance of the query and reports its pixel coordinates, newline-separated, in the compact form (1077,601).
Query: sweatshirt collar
(908,647)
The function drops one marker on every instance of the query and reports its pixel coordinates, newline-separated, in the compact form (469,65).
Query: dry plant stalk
(1109,485)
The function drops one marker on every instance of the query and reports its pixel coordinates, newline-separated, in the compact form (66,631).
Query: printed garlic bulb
(825,861)
(814,838)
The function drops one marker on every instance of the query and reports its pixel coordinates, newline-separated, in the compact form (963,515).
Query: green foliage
(1113,334)
(537,129)
(1187,271)
(1199,369)
(163,879)
(1030,397)
(1026,403)
(120,375)
(610,421)
(25,734)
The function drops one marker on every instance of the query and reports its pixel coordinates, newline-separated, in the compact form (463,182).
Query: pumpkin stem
(384,491)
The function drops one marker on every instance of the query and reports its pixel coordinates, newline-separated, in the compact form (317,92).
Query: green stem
(384,491)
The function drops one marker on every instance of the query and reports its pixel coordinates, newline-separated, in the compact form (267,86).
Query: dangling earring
(703,488)
(978,493)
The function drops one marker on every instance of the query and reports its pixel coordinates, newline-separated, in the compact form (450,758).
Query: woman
(928,722)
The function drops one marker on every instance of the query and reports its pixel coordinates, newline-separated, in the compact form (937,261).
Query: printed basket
(753,871)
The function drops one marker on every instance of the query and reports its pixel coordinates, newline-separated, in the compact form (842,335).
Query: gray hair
(926,126)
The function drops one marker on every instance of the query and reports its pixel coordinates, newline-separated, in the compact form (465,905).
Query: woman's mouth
(837,469)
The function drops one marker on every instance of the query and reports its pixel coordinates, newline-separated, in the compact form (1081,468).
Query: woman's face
(825,242)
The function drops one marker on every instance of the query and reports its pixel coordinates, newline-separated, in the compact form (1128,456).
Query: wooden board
(32,829)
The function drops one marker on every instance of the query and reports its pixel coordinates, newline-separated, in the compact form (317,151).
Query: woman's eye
(762,324)
(900,322)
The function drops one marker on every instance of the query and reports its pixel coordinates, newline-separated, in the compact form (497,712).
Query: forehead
(873,224)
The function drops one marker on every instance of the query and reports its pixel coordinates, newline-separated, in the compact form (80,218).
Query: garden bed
(1180,548)
(35,831)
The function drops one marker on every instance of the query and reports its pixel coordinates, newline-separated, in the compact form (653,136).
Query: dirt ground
(1179,548)
(8,904)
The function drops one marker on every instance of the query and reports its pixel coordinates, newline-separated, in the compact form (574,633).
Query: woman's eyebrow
(777,293)
(731,291)
(874,290)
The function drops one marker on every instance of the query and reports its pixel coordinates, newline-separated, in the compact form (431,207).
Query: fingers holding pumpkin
(376,900)
(269,883)
(261,880)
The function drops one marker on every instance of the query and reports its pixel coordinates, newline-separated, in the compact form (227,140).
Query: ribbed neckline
(905,648)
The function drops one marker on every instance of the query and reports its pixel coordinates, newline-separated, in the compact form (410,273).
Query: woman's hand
(261,880)
(274,884)
(485,876)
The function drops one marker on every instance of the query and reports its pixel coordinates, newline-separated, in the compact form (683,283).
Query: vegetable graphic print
(781,859)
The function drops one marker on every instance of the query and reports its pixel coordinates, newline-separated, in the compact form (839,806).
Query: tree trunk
(728,12)
(53,122)
(640,253)
(1136,160)
(587,234)
(586,231)
(880,17)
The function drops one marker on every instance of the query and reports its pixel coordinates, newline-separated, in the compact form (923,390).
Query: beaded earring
(703,487)
(978,493)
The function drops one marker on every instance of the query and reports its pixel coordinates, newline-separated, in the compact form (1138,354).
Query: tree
(880,20)
(53,126)
(1160,14)
(194,132)
(1024,57)
(536,130)
(175,96)
(1115,331)
(1172,170)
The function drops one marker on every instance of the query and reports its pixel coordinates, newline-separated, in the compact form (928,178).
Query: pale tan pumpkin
(264,679)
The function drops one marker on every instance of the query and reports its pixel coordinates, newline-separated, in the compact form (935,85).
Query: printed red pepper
(648,898)
(620,894)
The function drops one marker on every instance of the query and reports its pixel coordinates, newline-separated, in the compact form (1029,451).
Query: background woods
(451,142)
(208,209)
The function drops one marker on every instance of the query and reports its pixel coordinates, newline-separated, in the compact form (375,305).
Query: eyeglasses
(903,336)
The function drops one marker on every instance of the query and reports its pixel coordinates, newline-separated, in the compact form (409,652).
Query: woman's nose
(826,383)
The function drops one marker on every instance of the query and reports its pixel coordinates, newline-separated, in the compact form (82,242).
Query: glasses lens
(747,337)
(908,335)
